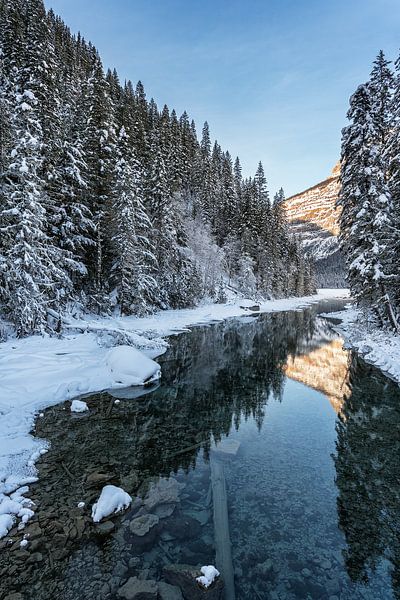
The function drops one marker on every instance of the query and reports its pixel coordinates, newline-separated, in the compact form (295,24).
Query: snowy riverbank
(377,347)
(38,372)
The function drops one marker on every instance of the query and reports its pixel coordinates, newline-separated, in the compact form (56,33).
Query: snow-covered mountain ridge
(313,216)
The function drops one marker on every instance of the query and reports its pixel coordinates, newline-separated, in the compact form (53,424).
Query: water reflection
(228,379)
(368,475)
(325,369)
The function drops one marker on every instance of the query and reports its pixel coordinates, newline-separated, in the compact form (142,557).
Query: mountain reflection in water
(325,369)
(296,532)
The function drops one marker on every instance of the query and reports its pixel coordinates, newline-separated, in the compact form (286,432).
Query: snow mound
(209,574)
(129,366)
(6,523)
(78,406)
(12,506)
(112,500)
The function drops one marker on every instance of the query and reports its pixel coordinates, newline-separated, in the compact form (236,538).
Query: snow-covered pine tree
(263,256)
(392,161)
(34,270)
(70,218)
(279,241)
(237,177)
(189,145)
(381,89)
(100,150)
(366,203)
(205,183)
(228,202)
(134,261)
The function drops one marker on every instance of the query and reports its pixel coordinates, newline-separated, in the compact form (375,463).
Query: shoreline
(378,348)
(38,372)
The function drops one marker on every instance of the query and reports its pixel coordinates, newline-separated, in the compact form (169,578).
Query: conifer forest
(111,203)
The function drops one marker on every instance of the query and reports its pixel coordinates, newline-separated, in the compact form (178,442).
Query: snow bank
(112,500)
(38,372)
(377,347)
(78,406)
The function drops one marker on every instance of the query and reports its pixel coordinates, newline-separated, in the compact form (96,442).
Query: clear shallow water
(313,492)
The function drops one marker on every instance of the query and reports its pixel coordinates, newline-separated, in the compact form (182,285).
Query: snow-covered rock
(78,406)
(209,574)
(129,366)
(112,500)
(249,304)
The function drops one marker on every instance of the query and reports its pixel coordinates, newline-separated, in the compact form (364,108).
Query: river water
(305,435)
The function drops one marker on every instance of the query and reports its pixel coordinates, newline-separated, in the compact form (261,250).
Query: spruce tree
(134,261)
(366,206)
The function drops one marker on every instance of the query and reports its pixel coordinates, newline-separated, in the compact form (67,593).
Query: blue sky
(272,77)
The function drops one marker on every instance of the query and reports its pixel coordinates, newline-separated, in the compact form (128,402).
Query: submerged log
(221,528)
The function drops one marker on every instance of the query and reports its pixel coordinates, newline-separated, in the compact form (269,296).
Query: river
(304,434)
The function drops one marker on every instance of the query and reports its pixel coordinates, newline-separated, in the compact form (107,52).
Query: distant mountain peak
(336,170)
(314,217)
(317,204)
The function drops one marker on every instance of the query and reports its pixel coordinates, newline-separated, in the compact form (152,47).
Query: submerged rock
(105,528)
(164,510)
(184,576)
(130,482)
(169,592)
(164,491)
(183,527)
(138,589)
(142,525)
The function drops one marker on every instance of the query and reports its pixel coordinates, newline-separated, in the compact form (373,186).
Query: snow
(81,505)
(78,406)
(24,167)
(131,367)
(112,500)
(377,347)
(38,372)
(6,523)
(209,574)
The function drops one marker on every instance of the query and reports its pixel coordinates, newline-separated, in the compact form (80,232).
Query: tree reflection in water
(368,473)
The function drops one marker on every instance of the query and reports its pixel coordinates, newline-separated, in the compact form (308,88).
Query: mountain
(314,217)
